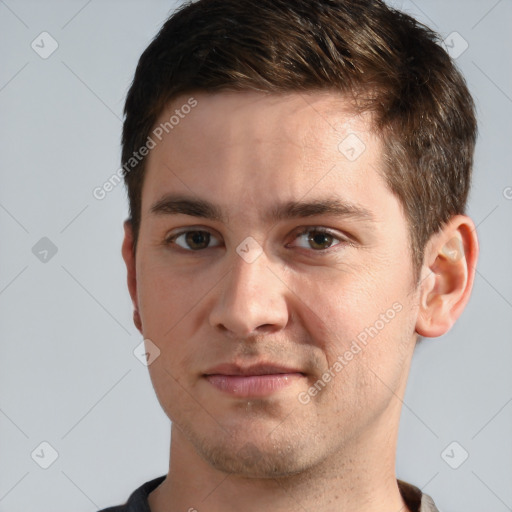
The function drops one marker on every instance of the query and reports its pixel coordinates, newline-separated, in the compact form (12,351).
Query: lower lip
(252,385)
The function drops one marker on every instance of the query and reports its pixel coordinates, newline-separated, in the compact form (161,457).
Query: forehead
(263,117)
(251,147)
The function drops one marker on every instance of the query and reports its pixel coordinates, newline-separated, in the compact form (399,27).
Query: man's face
(223,296)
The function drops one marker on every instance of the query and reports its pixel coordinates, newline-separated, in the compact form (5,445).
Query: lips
(256,369)
(252,381)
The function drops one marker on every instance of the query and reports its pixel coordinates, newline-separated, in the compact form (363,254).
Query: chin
(253,458)
(250,462)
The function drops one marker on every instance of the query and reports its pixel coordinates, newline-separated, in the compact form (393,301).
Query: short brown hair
(392,65)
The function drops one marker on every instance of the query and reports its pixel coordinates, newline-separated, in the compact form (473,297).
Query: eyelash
(309,229)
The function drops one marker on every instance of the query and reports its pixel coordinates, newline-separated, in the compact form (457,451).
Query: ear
(447,276)
(128,252)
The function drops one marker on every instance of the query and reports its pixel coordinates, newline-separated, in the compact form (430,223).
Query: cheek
(362,323)
(166,296)
(173,394)
(366,369)
(340,304)
(172,306)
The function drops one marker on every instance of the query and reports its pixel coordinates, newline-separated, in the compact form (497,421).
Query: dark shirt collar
(138,502)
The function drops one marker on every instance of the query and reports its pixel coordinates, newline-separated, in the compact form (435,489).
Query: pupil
(198,238)
(320,239)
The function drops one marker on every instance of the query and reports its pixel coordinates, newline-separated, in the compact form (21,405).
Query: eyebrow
(173,204)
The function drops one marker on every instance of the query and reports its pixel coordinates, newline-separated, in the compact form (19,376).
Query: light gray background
(68,373)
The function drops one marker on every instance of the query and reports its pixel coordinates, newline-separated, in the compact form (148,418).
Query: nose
(251,299)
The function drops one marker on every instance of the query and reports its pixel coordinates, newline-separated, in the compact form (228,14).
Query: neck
(359,476)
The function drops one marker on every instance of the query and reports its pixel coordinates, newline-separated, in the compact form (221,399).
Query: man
(297,173)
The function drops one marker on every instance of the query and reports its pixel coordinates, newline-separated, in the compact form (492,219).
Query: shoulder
(138,500)
(416,501)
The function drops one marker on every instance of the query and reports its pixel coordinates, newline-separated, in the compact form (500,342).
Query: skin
(301,303)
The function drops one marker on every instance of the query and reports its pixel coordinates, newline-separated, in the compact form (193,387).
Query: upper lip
(254,369)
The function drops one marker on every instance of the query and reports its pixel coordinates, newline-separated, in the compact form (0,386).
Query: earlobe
(448,274)
(136,320)
(128,253)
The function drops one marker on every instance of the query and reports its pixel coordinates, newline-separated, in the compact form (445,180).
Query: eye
(318,239)
(192,240)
